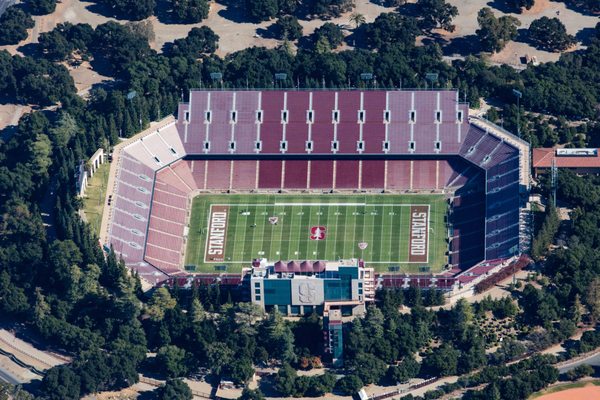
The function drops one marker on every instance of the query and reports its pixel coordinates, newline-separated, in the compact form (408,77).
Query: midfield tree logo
(317,233)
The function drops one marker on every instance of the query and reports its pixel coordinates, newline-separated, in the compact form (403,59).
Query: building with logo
(300,288)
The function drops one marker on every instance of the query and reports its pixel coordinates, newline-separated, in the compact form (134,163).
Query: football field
(402,233)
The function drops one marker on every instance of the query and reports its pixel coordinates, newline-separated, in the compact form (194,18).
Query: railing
(21,364)
(395,392)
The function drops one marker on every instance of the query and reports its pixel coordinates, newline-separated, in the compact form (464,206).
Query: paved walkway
(20,362)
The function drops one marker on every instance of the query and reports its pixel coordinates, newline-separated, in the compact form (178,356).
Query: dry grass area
(466,24)
(130,393)
(236,36)
(85,77)
(11,113)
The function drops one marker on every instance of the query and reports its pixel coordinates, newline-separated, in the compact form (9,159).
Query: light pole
(518,95)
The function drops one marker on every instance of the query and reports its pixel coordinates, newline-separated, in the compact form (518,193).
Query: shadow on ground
(463,45)
(234,12)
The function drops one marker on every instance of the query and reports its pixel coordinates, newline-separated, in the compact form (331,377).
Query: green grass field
(380,221)
(93,202)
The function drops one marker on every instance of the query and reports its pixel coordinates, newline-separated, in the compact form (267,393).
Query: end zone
(418,244)
(216,234)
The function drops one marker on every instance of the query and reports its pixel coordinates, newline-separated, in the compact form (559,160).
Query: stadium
(404,182)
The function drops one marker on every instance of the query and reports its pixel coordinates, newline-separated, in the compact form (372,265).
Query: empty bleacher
(347,174)
(269,174)
(398,174)
(244,175)
(296,174)
(424,174)
(321,174)
(218,173)
(373,174)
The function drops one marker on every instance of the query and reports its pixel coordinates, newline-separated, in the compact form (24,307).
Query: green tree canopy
(190,11)
(14,23)
(550,34)
(174,389)
(494,33)
(436,14)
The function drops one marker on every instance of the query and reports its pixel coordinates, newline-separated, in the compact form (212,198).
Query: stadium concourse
(316,141)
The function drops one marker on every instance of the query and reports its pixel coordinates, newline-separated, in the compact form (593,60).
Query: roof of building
(574,158)
(304,267)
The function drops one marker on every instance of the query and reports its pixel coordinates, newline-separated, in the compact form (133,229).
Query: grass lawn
(95,194)
(314,227)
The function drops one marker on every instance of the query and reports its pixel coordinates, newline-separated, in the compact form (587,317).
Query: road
(594,361)
(6,377)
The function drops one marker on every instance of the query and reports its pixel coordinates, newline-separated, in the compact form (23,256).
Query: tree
(494,33)
(131,9)
(172,361)
(327,37)
(249,394)
(550,34)
(160,301)
(197,313)
(367,367)
(390,3)
(579,372)
(277,337)
(60,383)
(443,361)
(119,46)
(14,23)
(520,4)
(40,155)
(219,356)
(349,385)
(174,389)
(508,351)
(593,299)
(357,19)
(285,380)
(143,29)
(41,7)
(240,371)
(190,11)
(12,298)
(288,28)
(401,373)
(54,45)
(199,41)
(261,10)
(391,29)
(330,8)
(320,385)
(436,14)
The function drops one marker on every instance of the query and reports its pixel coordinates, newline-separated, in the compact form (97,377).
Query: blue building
(301,288)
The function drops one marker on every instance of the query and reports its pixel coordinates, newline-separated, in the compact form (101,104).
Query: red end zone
(217,234)
(419,234)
